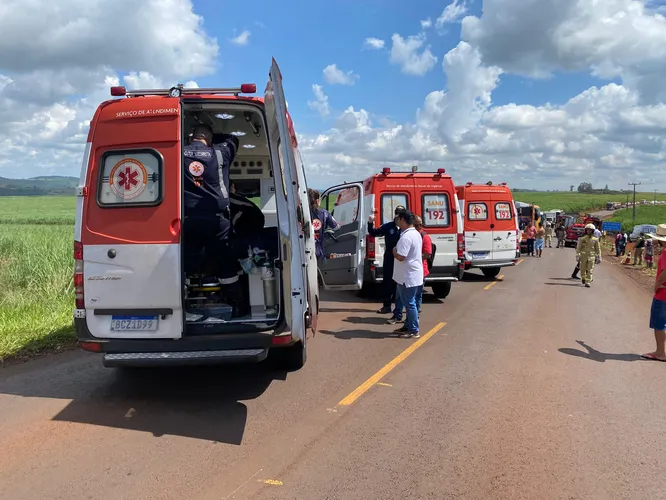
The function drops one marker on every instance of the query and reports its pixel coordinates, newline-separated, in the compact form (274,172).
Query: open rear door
(342,265)
(289,205)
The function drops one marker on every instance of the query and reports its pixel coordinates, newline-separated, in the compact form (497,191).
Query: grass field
(36,262)
(645,214)
(578,202)
(58,210)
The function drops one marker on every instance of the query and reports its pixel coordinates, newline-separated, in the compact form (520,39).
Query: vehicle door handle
(492,226)
(498,239)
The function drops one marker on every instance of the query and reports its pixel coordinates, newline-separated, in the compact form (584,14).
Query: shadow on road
(195,402)
(564,284)
(601,357)
(364,334)
(474,277)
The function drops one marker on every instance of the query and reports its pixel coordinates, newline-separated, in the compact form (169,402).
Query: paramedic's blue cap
(398,209)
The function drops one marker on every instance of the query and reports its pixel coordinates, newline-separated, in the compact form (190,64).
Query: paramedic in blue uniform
(391,234)
(208,218)
(321,221)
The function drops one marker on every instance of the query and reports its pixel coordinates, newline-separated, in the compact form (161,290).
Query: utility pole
(633,213)
(655,196)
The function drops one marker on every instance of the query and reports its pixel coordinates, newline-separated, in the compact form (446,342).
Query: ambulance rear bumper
(195,350)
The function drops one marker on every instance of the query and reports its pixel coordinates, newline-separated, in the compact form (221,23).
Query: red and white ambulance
(134,301)
(354,258)
(491,227)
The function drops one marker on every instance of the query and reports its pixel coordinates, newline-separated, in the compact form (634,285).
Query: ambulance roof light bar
(386,171)
(179,90)
(441,170)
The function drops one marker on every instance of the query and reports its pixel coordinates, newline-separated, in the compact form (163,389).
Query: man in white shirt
(408,272)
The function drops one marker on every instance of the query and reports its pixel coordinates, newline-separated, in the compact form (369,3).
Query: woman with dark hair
(321,221)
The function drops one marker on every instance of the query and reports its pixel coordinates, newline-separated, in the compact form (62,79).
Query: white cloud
(604,135)
(405,52)
(242,39)
(53,80)
(611,39)
(374,43)
(335,76)
(320,104)
(426,23)
(452,13)
(166,37)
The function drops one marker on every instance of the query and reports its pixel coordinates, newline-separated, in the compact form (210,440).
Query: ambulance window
(342,204)
(436,210)
(503,211)
(477,211)
(130,178)
(388,204)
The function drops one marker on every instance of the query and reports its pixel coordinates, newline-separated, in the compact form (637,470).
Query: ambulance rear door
(289,205)
(342,265)
(478,233)
(131,219)
(503,226)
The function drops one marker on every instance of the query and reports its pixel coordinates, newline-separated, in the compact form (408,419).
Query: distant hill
(45,185)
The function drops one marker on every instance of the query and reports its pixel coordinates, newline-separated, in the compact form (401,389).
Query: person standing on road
(618,244)
(560,233)
(649,252)
(588,253)
(658,309)
(408,272)
(322,220)
(538,242)
(530,233)
(391,233)
(638,250)
(549,235)
(427,255)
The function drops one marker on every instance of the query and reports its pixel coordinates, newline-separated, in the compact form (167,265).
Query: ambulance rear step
(184,358)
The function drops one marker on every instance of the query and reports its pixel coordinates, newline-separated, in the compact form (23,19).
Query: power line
(633,212)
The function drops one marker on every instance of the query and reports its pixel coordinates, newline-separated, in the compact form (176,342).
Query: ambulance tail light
(78,275)
(118,91)
(461,246)
(248,88)
(370,247)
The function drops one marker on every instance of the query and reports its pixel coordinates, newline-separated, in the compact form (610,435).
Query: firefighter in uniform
(588,253)
(549,235)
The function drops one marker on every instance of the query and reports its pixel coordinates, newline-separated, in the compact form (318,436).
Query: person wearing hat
(588,253)
(391,233)
(549,235)
(658,309)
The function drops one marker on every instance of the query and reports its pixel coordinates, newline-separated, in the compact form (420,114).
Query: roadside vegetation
(36,262)
(575,202)
(645,214)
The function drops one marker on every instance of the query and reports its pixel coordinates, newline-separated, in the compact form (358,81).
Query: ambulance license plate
(134,323)
(479,255)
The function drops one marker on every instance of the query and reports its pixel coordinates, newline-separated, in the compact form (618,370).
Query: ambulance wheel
(490,272)
(290,358)
(442,290)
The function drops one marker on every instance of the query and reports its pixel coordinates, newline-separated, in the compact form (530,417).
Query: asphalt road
(533,388)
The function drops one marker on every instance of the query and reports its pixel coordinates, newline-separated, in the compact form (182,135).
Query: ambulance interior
(213,307)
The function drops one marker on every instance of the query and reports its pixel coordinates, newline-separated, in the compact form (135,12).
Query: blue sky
(335,35)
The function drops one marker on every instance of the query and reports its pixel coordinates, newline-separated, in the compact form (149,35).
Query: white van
(135,302)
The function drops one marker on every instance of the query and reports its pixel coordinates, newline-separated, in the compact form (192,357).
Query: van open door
(289,205)
(342,265)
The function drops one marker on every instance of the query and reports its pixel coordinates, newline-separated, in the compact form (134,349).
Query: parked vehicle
(527,214)
(574,231)
(491,230)
(135,302)
(642,228)
(355,257)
